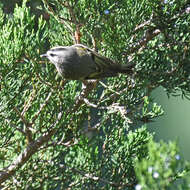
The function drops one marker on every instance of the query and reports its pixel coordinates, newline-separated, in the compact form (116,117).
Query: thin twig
(95,178)
(108,88)
(73,20)
(150,34)
(41,107)
(142,25)
(51,11)
(28,104)
(27,124)
(28,130)
(68,6)
(87,102)
(60,143)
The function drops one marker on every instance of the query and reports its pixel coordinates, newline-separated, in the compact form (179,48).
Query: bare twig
(69,143)
(73,20)
(63,20)
(87,102)
(34,145)
(28,132)
(150,34)
(142,25)
(41,107)
(94,43)
(8,120)
(115,107)
(70,8)
(108,88)
(28,104)
(76,34)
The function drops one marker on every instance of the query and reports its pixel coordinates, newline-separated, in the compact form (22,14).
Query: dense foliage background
(58,134)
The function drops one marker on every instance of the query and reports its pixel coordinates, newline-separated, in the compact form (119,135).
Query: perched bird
(78,62)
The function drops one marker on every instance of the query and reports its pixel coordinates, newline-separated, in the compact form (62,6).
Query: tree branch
(88,86)
(26,123)
(141,43)
(28,132)
(34,146)
(28,103)
(31,149)
(142,25)
(95,178)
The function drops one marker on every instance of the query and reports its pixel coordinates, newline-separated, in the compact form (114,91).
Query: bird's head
(55,54)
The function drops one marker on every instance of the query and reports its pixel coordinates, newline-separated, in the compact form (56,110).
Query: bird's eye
(52,55)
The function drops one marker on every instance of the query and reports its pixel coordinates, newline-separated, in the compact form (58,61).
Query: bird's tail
(127,68)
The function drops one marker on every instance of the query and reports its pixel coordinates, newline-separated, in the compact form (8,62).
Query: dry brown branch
(31,149)
(35,145)
(27,130)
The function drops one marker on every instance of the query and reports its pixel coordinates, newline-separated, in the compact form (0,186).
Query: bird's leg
(91,83)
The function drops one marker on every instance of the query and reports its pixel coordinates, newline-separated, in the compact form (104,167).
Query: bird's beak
(44,55)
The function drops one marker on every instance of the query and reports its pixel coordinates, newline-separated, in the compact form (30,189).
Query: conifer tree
(61,134)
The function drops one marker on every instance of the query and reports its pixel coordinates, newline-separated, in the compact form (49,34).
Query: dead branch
(34,146)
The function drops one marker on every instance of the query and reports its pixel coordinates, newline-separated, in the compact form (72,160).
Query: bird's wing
(103,61)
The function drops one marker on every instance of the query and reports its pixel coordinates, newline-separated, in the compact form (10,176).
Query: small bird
(78,62)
